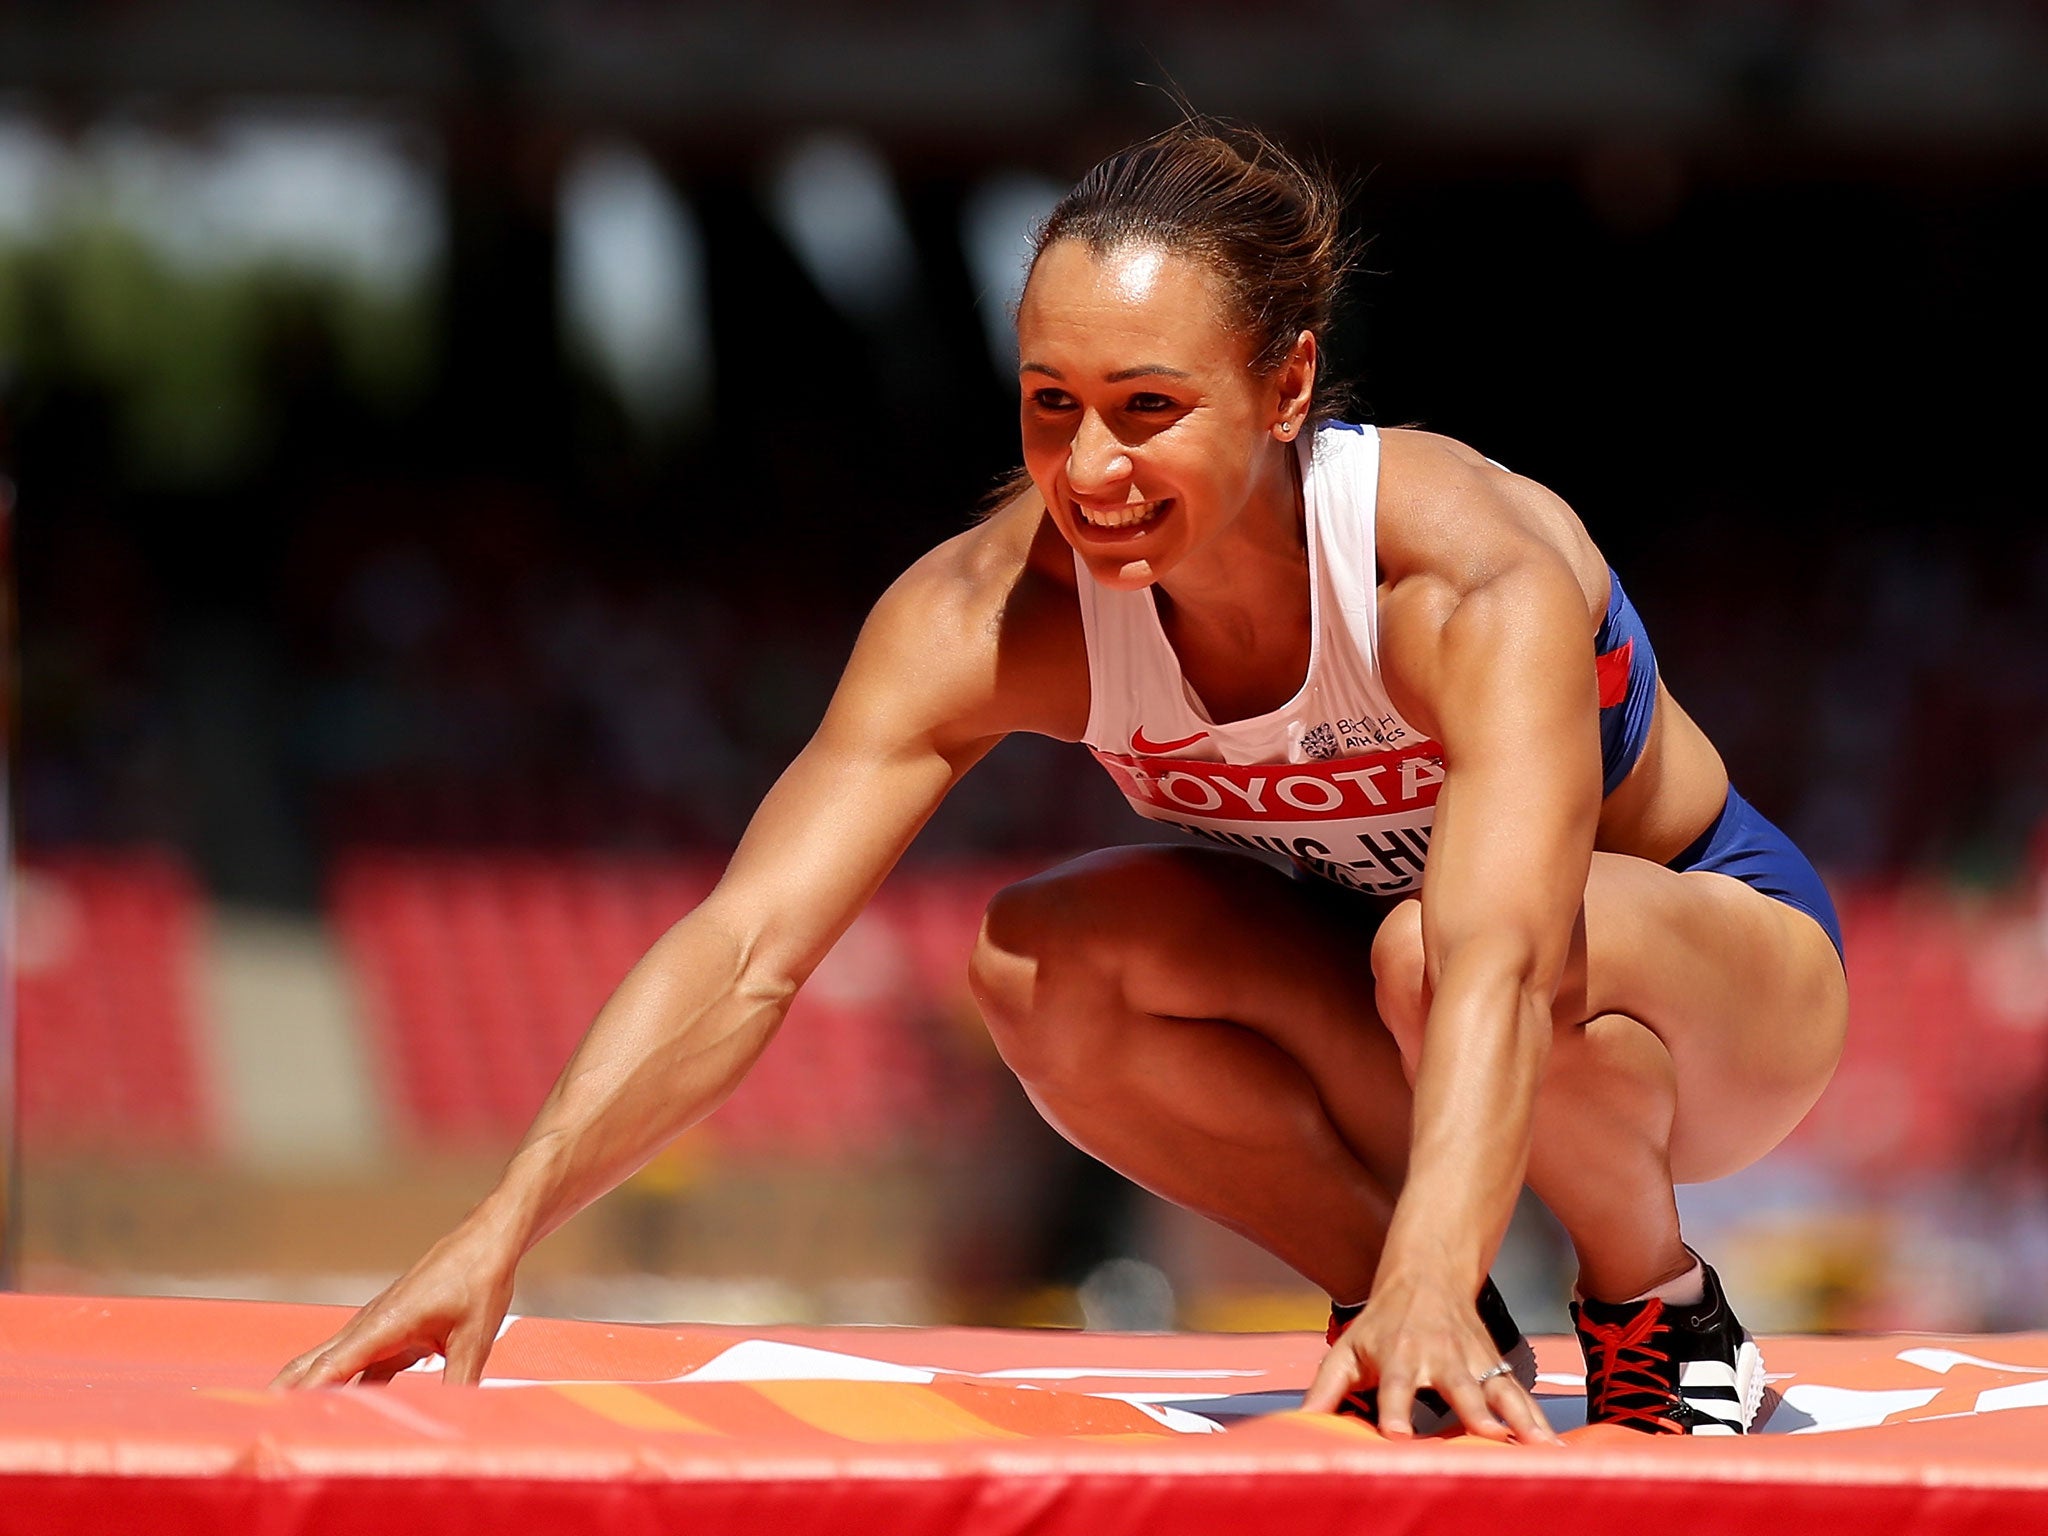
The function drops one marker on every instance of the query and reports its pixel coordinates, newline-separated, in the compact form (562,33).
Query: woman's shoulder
(1450,516)
(1459,534)
(1009,558)
(1015,541)
(991,613)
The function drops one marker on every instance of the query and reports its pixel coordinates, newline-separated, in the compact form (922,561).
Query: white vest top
(1334,779)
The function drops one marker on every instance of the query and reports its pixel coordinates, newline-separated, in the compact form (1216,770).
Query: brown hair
(1267,225)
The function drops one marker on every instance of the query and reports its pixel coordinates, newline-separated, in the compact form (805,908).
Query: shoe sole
(1749,1377)
(1749,1388)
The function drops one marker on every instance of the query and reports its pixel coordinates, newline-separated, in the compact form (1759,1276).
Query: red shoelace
(1626,1363)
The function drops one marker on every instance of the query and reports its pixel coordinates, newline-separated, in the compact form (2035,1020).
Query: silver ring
(1503,1369)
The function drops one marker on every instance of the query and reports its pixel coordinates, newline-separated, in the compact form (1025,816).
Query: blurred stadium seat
(478,973)
(1947,1057)
(108,956)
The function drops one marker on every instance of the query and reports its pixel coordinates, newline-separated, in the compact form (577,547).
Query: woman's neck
(1238,616)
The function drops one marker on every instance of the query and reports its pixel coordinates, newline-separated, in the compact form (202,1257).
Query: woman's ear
(1295,387)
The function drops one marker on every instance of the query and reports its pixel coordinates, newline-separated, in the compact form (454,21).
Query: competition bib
(1360,821)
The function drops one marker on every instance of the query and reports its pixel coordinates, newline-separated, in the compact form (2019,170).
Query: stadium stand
(478,973)
(109,1017)
(1947,1058)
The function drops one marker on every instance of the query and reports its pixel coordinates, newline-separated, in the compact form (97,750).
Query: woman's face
(1145,429)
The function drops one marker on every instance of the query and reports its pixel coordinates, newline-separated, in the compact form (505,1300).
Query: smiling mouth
(1121,519)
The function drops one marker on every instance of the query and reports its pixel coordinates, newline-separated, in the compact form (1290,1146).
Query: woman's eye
(1148,404)
(1051,399)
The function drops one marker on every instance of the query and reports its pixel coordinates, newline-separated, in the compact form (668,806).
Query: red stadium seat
(108,962)
(480,971)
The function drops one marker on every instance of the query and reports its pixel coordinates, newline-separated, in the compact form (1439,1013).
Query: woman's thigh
(1191,933)
(1746,993)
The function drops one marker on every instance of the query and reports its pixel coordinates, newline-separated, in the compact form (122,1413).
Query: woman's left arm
(1505,669)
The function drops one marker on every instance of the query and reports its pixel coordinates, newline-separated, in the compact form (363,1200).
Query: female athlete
(1528,932)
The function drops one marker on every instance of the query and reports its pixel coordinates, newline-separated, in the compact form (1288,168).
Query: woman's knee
(1091,906)
(1040,969)
(1002,967)
(1401,987)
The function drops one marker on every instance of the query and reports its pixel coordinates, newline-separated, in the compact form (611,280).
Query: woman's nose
(1096,461)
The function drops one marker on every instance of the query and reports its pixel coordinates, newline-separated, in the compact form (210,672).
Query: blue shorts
(1742,843)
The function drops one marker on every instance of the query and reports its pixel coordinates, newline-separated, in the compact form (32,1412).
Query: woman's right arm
(918,705)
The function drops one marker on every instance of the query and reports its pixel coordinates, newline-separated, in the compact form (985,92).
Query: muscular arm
(1488,643)
(693,1015)
(942,670)
(1513,695)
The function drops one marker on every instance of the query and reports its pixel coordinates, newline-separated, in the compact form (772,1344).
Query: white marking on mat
(1159,1397)
(768,1360)
(1942,1361)
(2025,1394)
(1172,1418)
(1833,1408)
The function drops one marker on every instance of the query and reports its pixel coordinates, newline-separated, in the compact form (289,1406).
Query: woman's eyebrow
(1121,376)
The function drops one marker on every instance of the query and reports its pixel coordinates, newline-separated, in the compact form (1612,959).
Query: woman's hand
(1413,1335)
(450,1303)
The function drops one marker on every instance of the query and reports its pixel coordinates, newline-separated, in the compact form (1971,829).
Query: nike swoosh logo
(1146,748)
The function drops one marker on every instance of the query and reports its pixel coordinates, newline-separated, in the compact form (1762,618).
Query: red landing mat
(141,1415)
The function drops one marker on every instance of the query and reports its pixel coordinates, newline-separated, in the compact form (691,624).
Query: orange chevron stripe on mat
(631,1407)
(881,1412)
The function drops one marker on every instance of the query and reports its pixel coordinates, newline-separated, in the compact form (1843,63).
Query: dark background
(1757,289)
